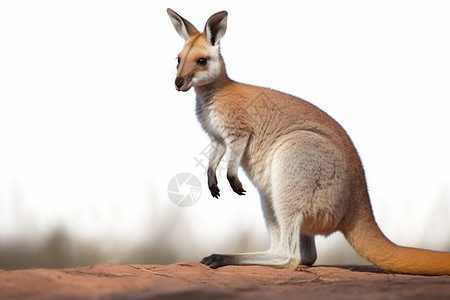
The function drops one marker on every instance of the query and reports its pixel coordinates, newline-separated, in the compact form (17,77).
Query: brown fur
(307,171)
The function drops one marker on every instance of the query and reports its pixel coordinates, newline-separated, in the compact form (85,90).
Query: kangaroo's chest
(211,121)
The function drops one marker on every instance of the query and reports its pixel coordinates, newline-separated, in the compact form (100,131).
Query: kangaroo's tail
(366,237)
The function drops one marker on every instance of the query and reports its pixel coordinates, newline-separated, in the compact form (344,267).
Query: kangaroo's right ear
(182,26)
(215,27)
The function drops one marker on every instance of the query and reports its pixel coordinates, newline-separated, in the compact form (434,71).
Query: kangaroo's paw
(236,185)
(214,189)
(212,184)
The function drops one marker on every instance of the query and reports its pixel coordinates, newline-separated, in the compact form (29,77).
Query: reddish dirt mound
(195,281)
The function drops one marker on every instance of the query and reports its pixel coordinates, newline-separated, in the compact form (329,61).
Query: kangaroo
(303,163)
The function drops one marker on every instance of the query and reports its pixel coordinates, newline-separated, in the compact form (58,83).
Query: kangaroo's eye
(202,61)
(178,60)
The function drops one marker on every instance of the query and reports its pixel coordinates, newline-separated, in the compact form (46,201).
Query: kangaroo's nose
(179,82)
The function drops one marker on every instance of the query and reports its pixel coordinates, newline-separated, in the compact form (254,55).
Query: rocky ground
(190,280)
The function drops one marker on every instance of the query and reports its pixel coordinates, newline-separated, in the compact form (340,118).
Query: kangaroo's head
(200,62)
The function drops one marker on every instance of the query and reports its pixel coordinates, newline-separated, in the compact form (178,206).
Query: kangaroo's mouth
(184,88)
(181,85)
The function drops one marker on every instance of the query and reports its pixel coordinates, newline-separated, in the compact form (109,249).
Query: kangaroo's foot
(265,259)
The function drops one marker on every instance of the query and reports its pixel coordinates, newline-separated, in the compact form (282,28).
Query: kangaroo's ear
(182,26)
(215,27)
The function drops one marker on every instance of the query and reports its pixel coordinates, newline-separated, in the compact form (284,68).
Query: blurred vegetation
(61,250)
(57,250)
(168,242)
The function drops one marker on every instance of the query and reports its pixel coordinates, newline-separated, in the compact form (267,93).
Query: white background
(92,129)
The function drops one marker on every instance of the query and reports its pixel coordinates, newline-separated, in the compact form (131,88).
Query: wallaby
(308,173)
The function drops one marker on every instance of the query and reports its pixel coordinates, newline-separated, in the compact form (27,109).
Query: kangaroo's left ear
(215,27)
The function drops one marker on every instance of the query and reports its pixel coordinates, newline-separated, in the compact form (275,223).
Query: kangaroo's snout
(179,82)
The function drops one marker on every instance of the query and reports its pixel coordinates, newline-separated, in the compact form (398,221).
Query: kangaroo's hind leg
(284,255)
(285,238)
(308,254)
(284,244)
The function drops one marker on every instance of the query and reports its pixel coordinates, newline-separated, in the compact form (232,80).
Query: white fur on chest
(211,122)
